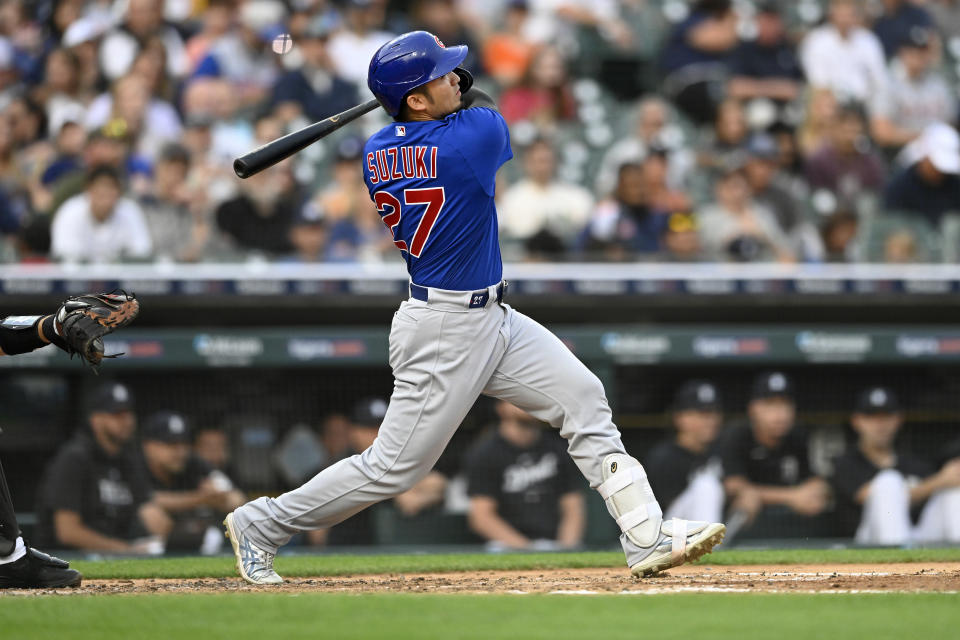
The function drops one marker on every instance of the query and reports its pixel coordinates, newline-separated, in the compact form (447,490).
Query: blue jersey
(433,183)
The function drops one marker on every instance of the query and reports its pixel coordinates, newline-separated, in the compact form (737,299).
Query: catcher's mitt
(82,321)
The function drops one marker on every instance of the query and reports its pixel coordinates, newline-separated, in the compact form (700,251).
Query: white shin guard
(630,499)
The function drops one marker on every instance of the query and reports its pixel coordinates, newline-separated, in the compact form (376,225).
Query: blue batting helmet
(408,61)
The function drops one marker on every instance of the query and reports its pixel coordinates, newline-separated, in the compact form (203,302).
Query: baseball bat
(276,150)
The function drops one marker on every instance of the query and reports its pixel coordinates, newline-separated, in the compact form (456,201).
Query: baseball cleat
(681,541)
(254,564)
(37,570)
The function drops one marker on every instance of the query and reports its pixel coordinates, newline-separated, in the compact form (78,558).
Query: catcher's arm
(22,334)
(77,327)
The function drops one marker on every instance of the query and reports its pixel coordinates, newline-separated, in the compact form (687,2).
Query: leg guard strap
(630,500)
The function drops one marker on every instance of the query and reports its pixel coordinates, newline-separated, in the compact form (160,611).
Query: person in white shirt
(351,48)
(143,19)
(916,96)
(99,225)
(843,56)
(539,203)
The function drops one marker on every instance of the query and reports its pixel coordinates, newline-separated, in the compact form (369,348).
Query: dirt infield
(941,577)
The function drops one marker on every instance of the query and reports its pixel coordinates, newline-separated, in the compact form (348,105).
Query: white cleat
(680,541)
(254,564)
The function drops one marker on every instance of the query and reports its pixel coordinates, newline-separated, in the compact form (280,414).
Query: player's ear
(416,101)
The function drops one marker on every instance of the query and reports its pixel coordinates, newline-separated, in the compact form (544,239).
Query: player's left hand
(82,321)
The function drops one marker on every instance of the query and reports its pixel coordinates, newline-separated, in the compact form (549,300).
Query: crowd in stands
(710,130)
(162,485)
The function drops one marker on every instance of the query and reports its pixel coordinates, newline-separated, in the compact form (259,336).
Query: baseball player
(76,327)
(431,174)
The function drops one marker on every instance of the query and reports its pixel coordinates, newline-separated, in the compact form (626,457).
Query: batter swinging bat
(282,148)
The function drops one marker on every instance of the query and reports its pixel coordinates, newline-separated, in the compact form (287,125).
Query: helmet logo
(438,42)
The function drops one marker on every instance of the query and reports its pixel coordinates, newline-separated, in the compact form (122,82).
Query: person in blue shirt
(431,174)
(931,185)
(695,58)
(314,89)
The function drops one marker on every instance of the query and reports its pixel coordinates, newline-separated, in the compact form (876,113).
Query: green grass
(265,616)
(333,565)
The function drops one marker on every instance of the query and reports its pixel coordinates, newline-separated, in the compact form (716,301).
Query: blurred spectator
(737,228)
(881,488)
(789,155)
(843,56)
(767,66)
(351,48)
(174,212)
(544,97)
(680,240)
(916,95)
(308,235)
(564,23)
(540,203)
(900,247)
(765,462)
(259,217)
(33,241)
(151,65)
(356,231)
(26,35)
(443,19)
(142,21)
(898,20)
(70,140)
(931,185)
(211,445)
(724,143)
(847,165)
(507,52)
(358,529)
(313,89)
(100,149)
(242,56)
(682,472)
(839,233)
(626,224)
(95,495)
(60,91)
(215,22)
(193,495)
(773,190)
(216,103)
(129,111)
(695,58)
(654,127)
(662,196)
(9,74)
(820,116)
(83,37)
(525,491)
(100,225)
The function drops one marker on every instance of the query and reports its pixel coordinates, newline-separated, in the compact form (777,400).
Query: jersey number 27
(390,210)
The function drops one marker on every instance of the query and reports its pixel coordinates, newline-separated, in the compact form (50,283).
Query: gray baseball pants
(444,355)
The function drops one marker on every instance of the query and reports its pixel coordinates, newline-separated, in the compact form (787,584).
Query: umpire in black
(21,566)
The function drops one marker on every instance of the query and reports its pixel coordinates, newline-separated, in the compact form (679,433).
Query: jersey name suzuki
(433,183)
